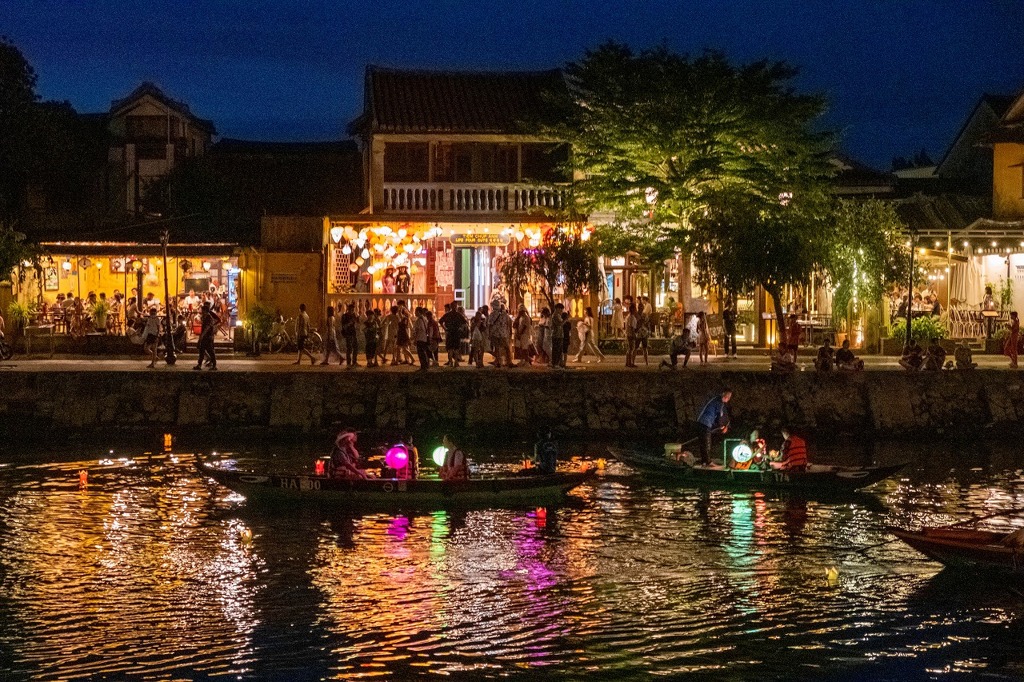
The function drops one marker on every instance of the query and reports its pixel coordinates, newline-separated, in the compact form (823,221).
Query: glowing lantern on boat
(397,456)
(742,453)
(440,452)
(168,441)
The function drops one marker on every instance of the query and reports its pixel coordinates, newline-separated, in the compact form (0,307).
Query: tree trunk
(780,316)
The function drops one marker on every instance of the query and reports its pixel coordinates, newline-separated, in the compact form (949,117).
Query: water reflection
(149,570)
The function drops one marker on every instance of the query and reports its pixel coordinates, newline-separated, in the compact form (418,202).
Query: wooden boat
(818,478)
(396,493)
(965,548)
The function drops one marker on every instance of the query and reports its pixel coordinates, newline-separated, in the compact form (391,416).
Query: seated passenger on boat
(794,452)
(345,457)
(545,454)
(456,464)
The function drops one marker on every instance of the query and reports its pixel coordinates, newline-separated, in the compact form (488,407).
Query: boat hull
(395,493)
(965,549)
(822,479)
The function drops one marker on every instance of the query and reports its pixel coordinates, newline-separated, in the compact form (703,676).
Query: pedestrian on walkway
(209,321)
(566,337)
(1012,340)
(404,337)
(477,336)
(301,334)
(433,337)
(151,335)
(729,325)
(421,335)
(556,336)
(543,343)
(585,330)
(331,339)
(500,327)
(523,331)
(389,334)
(703,338)
(371,333)
(632,324)
(349,333)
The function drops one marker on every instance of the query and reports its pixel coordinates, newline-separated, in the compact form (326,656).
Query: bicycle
(281,339)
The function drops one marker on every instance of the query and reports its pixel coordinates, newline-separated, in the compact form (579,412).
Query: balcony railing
(445,197)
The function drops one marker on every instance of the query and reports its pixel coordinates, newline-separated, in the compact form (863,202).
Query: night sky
(900,74)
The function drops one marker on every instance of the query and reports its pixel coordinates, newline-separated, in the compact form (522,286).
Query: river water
(148,570)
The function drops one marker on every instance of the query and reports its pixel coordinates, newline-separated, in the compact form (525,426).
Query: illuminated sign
(484,239)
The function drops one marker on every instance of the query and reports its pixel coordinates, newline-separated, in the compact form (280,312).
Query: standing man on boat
(714,418)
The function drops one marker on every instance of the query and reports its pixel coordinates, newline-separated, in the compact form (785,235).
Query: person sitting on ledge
(824,361)
(845,359)
(782,361)
(935,358)
(964,357)
(913,357)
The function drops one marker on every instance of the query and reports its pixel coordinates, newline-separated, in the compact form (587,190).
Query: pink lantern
(397,456)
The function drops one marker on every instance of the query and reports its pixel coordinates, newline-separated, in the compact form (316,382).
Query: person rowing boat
(714,418)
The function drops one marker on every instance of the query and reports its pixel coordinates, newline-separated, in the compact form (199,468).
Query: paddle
(976,519)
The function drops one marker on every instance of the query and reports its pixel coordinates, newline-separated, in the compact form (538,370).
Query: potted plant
(258,322)
(100,312)
(19,315)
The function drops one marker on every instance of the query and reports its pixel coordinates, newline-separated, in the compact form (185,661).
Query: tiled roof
(942,213)
(147,88)
(402,101)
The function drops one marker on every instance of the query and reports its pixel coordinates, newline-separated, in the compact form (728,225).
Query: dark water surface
(148,572)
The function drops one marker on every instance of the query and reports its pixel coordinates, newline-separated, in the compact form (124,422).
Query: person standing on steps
(421,335)
(301,334)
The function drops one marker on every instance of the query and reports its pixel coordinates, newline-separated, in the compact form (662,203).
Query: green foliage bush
(924,328)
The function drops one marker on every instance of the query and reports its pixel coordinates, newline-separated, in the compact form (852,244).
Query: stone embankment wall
(496,403)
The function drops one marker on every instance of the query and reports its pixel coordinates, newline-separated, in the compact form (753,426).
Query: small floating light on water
(168,441)
(832,574)
(601,462)
(318,468)
(83,478)
(245,535)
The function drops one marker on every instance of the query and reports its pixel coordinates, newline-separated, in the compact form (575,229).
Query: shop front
(127,273)
(377,264)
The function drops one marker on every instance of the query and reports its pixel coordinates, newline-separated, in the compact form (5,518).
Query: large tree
(18,105)
(663,141)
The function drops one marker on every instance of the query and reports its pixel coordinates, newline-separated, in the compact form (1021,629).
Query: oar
(976,519)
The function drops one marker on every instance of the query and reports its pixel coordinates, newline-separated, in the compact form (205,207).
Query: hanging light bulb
(365,253)
(66,265)
(346,249)
(360,261)
(353,268)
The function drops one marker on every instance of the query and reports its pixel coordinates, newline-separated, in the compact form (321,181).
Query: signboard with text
(484,239)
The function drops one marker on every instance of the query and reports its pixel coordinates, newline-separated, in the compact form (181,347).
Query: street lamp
(168,336)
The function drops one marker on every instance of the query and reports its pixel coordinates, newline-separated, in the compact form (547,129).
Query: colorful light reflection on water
(150,570)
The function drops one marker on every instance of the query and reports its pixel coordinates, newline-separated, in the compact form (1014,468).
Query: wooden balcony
(479,198)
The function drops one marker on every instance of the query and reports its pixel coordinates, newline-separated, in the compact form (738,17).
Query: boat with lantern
(397,493)
(968,548)
(818,478)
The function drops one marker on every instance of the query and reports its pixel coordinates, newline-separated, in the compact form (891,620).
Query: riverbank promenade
(228,362)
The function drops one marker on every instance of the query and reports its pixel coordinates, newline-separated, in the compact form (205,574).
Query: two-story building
(454,176)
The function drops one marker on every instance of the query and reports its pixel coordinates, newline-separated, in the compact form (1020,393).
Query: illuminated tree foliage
(868,254)
(563,258)
(663,139)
